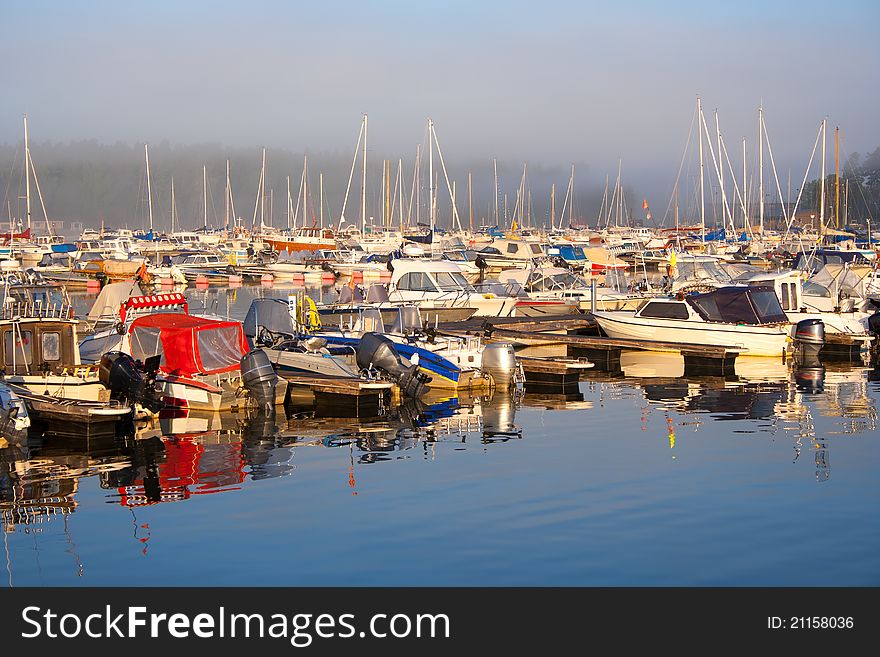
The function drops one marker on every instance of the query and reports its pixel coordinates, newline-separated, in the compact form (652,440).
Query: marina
(317,297)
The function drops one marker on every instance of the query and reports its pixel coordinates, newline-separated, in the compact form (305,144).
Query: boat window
(417,281)
(18,346)
(665,310)
(812,289)
(536,249)
(51,346)
(767,305)
(451,281)
(786,305)
(512,248)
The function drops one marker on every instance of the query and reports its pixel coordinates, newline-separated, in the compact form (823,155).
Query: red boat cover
(189,345)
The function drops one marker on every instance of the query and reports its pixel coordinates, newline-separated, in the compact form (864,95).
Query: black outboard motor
(128,382)
(809,338)
(375,350)
(259,378)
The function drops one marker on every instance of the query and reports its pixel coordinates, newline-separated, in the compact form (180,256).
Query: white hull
(755,340)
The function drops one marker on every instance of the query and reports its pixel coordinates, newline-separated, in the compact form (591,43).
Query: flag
(672,259)
(645,204)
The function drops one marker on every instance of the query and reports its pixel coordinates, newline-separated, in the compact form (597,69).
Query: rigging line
(681,164)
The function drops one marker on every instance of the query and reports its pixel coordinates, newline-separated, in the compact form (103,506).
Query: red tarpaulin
(189,345)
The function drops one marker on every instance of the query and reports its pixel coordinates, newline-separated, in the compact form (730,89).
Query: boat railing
(36,310)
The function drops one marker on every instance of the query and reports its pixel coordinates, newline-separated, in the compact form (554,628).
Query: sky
(548,83)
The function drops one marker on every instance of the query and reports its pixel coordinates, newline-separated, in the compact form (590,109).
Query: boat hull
(754,340)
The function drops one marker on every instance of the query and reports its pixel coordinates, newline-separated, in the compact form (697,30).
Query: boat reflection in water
(782,396)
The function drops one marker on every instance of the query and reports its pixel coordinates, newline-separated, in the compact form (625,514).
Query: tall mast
(822,199)
(720,169)
(289,201)
(400,190)
(837,177)
(364,182)
(305,189)
(172,204)
(745,204)
(495,166)
(761,165)
(470,203)
(263,192)
(27,174)
(702,188)
(431,169)
(553,206)
(226,201)
(321,193)
(205,187)
(417,183)
(149,190)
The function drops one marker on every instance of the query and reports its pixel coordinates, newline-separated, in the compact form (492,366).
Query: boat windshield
(562,280)
(739,305)
(698,271)
(452,281)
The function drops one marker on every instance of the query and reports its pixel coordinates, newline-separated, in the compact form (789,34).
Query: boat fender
(120,328)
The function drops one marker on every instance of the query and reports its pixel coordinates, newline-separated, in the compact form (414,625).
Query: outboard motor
(499,360)
(809,337)
(259,379)
(127,382)
(375,350)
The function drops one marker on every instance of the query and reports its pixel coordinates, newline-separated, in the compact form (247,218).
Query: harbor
(360,309)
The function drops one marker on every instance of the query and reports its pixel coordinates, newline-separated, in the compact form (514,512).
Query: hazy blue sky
(545,82)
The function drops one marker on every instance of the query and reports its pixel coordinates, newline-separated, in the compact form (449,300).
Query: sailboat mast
(720,169)
(400,191)
(837,177)
(761,165)
(263,192)
(289,201)
(702,187)
(205,188)
(27,173)
(470,203)
(431,169)
(226,200)
(495,166)
(822,197)
(364,183)
(172,204)
(149,190)
(552,206)
(321,194)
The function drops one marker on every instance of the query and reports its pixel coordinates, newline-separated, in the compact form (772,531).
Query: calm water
(641,479)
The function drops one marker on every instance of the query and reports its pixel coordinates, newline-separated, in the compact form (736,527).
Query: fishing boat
(747,317)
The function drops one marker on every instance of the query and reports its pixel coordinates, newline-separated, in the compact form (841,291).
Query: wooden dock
(342,396)
(603,352)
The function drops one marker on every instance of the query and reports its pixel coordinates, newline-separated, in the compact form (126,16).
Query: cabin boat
(507,253)
(306,238)
(747,317)
(564,285)
(41,363)
(39,345)
(437,283)
(200,359)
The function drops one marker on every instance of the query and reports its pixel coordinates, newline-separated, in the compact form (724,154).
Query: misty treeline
(853,197)
(99,183)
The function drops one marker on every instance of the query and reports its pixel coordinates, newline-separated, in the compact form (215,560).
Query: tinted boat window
(665,310)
